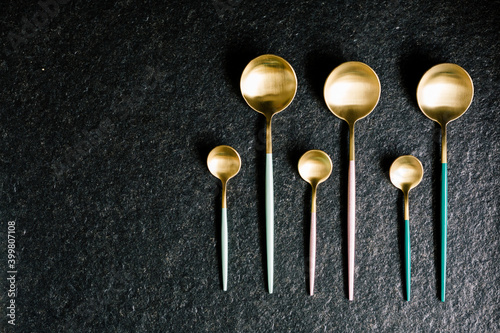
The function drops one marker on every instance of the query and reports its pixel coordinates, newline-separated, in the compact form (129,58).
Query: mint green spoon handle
(444,226)
(407,259)
(223,236)
(270,221)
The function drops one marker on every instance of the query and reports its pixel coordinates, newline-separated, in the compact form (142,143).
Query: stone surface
(108,111)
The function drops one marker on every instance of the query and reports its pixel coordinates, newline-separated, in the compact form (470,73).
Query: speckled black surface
(109,109)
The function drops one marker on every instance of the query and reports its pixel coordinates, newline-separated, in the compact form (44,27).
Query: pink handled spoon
(315,166)
(352,91)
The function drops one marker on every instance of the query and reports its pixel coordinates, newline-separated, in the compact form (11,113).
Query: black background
(108,111)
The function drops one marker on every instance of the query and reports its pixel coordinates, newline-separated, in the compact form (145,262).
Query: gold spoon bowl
(268,84)
(406,172)
(315,166)
(224,162)
(445,92)
(352,91)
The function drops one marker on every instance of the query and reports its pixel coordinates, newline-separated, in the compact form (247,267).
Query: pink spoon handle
(312,253)
(351,218)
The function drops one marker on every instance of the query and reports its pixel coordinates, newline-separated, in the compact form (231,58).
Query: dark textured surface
(109,109)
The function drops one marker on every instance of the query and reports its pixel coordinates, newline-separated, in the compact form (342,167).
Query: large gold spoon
(352,91)
(315,166)
(406,172)
(224,163)
(268,85)
(444,93)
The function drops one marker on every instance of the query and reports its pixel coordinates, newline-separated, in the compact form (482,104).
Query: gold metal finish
(351,92)
(406,172)
(268,85)
(315,166)
(224,163)
(444,93)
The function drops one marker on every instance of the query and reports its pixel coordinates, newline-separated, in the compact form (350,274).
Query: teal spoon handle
(223,236)
(407,259)
(270,221)
(444,224)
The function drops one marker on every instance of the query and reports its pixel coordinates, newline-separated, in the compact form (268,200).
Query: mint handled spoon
(406,172)
(315,166)
(224,163)
(443,94)
(268,85)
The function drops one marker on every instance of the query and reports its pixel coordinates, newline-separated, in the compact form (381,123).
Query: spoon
(315,166)
(224,163)
(268,85)
(444,93)
(352,91)
(406,172)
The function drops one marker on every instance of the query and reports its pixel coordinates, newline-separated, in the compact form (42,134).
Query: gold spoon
(224,163)
(315,166)
(352,90)
(444,93)
(406,172)
(268,85)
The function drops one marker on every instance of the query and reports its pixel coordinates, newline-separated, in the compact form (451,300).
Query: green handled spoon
(406,172)
(268,85)
(224,163)
(444,93)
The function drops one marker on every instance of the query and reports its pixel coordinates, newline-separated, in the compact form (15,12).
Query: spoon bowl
(224,163)
(315,166)
(406,172)
(268,85)
(352,91)
(445,92)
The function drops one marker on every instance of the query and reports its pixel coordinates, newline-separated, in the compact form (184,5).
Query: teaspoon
(315,166)
(224,163)
(406,172)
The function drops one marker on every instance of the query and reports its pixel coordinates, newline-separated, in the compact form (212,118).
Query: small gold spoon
(224,163)
(268,85)
(406,172)
(352,91)
(444,93)
(315,166)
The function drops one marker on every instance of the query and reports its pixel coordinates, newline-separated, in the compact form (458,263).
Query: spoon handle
(312,253)
(224,250)
(407,259)
(351,218)
(444,224)
(407,254)
(270,221)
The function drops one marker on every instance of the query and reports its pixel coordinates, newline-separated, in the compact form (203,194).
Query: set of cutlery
(352,91)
